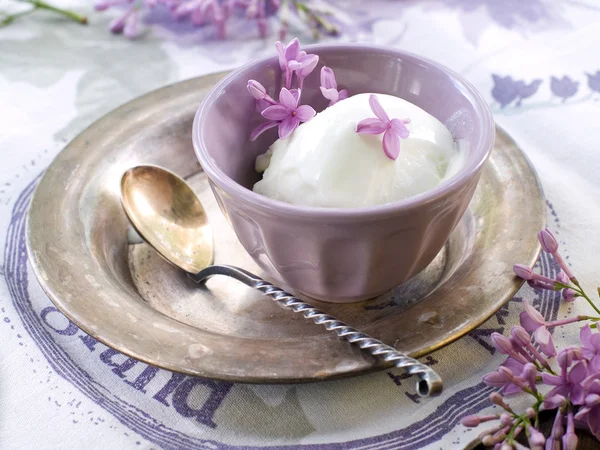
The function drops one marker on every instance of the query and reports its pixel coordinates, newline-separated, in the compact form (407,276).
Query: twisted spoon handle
(429,384)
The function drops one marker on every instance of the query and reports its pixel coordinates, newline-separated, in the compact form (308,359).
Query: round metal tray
(126,296)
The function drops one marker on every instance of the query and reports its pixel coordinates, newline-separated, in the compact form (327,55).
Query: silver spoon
(167,214)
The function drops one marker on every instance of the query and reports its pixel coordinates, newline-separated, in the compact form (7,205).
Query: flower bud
(523,271)
(563,278)
(536,439)
(506,419)
(548,241)
(569,295)
(502,343)
(554,402)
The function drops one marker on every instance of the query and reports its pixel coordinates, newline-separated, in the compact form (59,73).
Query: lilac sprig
(217,13)
(287,113)
(573,373)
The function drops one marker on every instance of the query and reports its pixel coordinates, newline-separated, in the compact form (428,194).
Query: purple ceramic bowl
(336,254)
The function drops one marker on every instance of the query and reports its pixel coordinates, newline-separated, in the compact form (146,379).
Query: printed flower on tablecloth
(506,90)
(594,81)
(564,87)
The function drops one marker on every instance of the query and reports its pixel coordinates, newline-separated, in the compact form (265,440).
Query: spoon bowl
(168,215)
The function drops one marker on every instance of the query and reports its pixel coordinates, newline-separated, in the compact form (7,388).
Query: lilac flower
(594,81)
(590,412)
(522,342)
(203,11)
(393,130)
(329,87)
(570,382)
(506,377)
(304,66)
(287,113)
(564,87)
(591,347)
(504,90)
(534,322)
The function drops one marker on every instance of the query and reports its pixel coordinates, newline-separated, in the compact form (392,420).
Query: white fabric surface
(56,78)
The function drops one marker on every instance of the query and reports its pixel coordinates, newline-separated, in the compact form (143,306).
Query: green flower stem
(39,4)
(316,18)
(589,300)
(579,290)
(8,19)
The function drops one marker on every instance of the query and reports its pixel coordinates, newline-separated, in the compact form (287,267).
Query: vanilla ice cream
(326,163)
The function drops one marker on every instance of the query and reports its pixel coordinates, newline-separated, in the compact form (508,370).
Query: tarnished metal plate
(126,296)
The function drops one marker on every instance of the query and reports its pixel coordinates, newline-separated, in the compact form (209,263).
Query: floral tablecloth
(535,61)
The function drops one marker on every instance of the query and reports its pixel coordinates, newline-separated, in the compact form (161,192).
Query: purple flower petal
(292,50)
(582,414)
(307,65)
(287,126)
(370,126)
(261,129)
(527,322)
(330,94)
(578,373)
(594,421)
(343,95)
(391,144)
(280,48)
(276,112)
(561,389)
(515,366)
(261,105)
(296,94)
(577,394)
(399,128)
(595,341)
(585,336)
(544,339)
(327,79)
(287,99)
(305,113)
(553,380)
(378,109)
(510,389)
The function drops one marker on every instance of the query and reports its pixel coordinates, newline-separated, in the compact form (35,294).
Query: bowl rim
(269,205)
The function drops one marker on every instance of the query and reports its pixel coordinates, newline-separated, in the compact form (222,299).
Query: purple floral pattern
(594,81)
(507,90)
(564,87)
